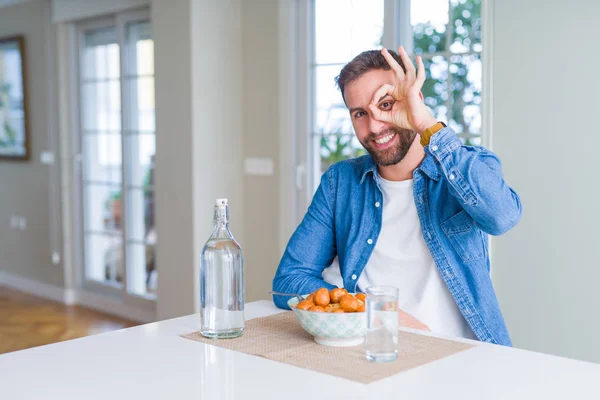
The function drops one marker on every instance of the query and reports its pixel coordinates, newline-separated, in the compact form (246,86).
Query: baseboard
(34,287)
(73,296)
(114,307)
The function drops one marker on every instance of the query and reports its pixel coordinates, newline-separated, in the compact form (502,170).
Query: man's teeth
(384,139)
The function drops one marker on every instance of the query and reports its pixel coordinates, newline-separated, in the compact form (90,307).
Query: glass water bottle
(221,280)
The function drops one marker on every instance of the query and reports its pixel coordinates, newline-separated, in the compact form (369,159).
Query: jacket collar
(427,166)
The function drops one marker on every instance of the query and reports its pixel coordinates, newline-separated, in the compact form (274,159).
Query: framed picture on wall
(14,143)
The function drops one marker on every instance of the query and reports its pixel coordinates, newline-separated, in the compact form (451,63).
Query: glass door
(117,146)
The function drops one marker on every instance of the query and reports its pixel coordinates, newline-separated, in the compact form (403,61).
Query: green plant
(4,88)
(10,139)
(116,194)
(466,19)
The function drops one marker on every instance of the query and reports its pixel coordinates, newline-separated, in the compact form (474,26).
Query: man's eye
(359,114)
(386,105)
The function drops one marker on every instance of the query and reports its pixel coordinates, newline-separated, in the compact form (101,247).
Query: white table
(153,362)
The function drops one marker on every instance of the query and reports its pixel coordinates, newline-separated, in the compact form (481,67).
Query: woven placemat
(281,338)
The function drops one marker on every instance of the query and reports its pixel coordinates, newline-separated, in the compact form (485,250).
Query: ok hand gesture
(408,110)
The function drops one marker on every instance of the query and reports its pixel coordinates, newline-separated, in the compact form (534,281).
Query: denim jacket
(460,196)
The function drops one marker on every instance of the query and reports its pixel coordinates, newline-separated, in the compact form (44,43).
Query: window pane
(102,155)
(466,35)
(331,112)
(140,104)
(104,258)
(429,20)
(140,150)
(140,162)
(91,93)
(100,56)
(334,148)
(344,28)
(471,140)
(140,49)
(435,90)
(466,93)
(140,213)
(102,208)
(101,106)
(141,276)
(102,161)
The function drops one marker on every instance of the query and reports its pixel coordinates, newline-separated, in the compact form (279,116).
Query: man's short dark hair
(364,62)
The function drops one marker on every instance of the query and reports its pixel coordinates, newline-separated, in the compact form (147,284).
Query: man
(414,213)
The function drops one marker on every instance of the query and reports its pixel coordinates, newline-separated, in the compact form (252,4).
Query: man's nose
(376,126)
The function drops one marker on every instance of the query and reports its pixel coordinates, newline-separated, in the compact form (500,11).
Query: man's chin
(385,160)
(392,156)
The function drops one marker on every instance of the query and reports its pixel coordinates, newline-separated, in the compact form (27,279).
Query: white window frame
(143,306)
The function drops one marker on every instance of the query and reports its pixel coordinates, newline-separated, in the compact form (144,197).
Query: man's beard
(392,155)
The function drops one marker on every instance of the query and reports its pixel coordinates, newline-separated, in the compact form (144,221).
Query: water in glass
(381,342)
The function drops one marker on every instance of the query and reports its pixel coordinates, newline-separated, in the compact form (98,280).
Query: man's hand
(408,110)
(408,321)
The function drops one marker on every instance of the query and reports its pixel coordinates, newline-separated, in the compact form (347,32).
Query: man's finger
(393,64)
(408,64)
(384,90)
(420,73)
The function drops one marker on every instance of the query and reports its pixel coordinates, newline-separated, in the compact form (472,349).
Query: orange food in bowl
(305,305)
(331,307)
(321,297)
(335,301)
(336,294)
(349,303)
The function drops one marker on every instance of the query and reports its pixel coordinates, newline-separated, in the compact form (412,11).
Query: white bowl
(332,329)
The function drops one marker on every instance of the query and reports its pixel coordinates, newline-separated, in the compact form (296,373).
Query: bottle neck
(221,223)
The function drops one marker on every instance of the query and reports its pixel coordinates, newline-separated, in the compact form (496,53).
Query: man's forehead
(359,92)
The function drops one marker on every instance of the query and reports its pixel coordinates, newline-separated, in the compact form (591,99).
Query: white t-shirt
(401,259)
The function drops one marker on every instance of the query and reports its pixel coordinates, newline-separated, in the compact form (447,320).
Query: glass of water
(382,323)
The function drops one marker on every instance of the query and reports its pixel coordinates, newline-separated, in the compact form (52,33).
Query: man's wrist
(427,124)
(430,131)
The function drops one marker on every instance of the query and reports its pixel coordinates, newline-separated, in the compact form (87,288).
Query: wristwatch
(430,131)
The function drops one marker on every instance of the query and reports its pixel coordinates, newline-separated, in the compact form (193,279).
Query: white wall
(217,116)
(32,189)
(199,137)
(261,110)
(175,251)
(546,103)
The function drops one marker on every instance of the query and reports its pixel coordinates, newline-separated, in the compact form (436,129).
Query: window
(342,30)
(117,138)
(446,33)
